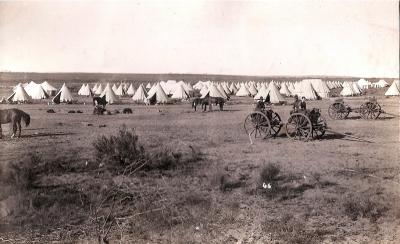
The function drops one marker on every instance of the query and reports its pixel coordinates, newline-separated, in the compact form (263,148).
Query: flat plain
(333,190)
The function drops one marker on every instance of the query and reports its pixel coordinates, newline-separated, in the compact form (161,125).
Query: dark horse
(99,104)
(100,101)
(14,116)
(207,101)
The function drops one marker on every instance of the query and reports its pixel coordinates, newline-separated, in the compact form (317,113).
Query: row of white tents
(33,91)
(162,92)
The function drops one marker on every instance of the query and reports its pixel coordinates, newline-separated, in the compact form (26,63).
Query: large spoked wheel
(276,124)
(319,128)
(338,111)
(370,110)
(257,125)
(299,127)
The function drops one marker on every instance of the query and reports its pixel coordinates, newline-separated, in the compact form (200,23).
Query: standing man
(303,104)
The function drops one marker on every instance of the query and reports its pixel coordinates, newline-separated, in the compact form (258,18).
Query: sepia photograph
(200,121)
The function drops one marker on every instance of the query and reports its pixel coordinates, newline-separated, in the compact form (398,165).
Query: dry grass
(202,181)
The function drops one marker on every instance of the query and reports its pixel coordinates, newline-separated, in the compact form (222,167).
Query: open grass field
(332,190)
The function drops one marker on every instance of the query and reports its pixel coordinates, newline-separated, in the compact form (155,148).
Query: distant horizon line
(204,74)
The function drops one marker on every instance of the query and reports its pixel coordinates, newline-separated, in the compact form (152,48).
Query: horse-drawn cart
(301,125)
(368,110)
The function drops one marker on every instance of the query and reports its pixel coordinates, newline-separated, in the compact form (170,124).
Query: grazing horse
(14,116)
(211,100)
(100,101)
(99,104)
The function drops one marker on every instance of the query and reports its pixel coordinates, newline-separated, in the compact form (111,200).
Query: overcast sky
(311,37)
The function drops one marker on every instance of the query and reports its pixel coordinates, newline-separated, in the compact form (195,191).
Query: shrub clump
(270,172)
(123,148)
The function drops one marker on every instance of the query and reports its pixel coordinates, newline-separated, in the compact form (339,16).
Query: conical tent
(63,96)
(84,91)
(99,90)
(204,89)
(130,90)
(213,91)
(110,95)
(120,91)
(348,89)
(233,88)
(394,89)
(37,92)
(243,91)
(320,87)
(274,95)
(114,88)
(356,88)
(30,87)
(262,92)
(307,90)
(148,85)
(19,95)
(285,90)
(222,91)
(140,94)
(180,93)
(158,95)
(252,89)
(49,89)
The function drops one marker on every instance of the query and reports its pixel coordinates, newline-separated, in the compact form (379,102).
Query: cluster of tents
(273,91)
(166,91)
(26,92)
(357,87)
(160,92)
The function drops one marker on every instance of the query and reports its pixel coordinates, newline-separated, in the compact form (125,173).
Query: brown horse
(14,116)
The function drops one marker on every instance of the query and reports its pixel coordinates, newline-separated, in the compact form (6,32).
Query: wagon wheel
(319,128)
(370,110)
(257,125)
(299,127)
(276,124)
(338,111)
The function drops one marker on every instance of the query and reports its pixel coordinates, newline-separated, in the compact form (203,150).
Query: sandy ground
(238,216)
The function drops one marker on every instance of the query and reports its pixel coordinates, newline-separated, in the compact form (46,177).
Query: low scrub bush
(269,173)
(122,149)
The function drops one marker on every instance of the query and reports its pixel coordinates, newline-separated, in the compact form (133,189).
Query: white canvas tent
(180,93)
(320,87)
(19,95)
(63,96)
(213,91)
(262,92)
(157,95)
(130,90)
(394,89)
(98,90)
(243,91)
(274,95)
(285,90)
(84,90)
(37,92)
(120,90)
(49,89)
(110,95)
(140,94)
(252,89)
